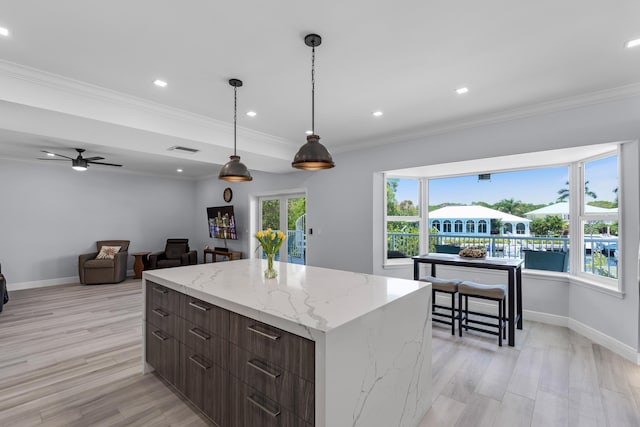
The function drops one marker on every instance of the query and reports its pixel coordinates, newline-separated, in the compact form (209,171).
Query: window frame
(607,285)
(420,219)
(576,222)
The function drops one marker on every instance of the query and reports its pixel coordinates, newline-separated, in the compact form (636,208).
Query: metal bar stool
(446,286)
(496,293)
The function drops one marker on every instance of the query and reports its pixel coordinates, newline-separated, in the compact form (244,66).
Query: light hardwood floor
(71,356)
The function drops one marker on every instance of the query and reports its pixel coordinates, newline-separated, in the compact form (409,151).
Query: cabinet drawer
(206,316)
(206,343)
(163,319)
(205,384)
(283,387)
(250,408)
(275,346)
(161,296)
(162,352)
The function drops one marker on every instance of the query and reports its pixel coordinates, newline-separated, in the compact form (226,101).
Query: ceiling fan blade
(56,154)
(51,158)
(91,159)
(105,164)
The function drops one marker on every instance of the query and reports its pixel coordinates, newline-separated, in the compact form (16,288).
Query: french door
(287,213)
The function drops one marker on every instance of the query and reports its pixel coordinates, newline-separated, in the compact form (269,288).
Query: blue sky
(539,186)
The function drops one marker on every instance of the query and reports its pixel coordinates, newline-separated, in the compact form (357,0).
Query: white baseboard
(41,283)
(606,341)
(49,282)
(586,331)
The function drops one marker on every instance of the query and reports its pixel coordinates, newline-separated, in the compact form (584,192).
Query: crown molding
(62,84)
(553,106)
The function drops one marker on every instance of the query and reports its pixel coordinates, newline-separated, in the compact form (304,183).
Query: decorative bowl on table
(473,252)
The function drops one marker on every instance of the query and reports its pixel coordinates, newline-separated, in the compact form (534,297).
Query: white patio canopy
(561,209)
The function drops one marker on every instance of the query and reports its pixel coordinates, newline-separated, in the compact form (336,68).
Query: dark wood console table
(230,255)
(512,266)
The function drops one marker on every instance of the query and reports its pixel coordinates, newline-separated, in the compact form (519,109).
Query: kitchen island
(313,347)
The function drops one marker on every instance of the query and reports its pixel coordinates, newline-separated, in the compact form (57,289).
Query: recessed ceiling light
(160,83)
(51,155)
(632,43)
(462,90)
(4,32)
(309,132)
(377,113)
(251,113)
(179,170)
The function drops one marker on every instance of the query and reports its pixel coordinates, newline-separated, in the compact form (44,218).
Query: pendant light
(313,155)
(234,170)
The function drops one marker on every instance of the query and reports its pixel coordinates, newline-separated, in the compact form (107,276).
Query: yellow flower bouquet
(270,242)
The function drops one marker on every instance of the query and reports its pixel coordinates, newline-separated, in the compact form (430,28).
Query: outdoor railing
(600,253)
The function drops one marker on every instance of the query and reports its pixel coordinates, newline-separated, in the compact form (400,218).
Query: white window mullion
(576,232)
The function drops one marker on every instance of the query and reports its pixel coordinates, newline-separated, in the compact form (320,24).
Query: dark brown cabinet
(205,384)
(163,353)
(250,408)
(240,372)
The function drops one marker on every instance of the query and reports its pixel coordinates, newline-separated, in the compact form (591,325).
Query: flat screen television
(222,222)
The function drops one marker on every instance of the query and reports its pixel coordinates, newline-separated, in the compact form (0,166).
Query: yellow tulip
(273,236)
(259,234)
(269,230)
(280,235)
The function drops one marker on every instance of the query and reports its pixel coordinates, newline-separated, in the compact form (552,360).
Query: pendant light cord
(235,117)
(313,89)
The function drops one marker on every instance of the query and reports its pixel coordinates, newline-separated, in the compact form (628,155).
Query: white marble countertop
(318,298)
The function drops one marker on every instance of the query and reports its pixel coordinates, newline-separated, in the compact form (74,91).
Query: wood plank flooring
(71,356)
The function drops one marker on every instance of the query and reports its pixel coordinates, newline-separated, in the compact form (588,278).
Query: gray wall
(50,214)
(346,203)
(209,193)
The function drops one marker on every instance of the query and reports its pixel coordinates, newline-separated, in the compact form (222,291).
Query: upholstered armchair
(4,295)
(175,254)
(105,265)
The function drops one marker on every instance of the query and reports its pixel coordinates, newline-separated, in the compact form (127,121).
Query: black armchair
(4,295)
(175,254)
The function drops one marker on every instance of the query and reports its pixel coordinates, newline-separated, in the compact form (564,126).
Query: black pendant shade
(234,170)
(313,155)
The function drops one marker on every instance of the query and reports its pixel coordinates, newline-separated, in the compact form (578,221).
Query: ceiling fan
(79,163)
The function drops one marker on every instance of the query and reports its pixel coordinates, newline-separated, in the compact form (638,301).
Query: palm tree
(563,193)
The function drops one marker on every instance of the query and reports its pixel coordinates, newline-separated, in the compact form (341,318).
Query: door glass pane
(296,230)
(270,218)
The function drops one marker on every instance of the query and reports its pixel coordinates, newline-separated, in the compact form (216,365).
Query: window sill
(582,282)
(398,265)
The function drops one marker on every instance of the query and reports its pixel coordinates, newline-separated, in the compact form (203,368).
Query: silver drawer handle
(258,365)
(195,360)
(274,413)
(200,334)
(159,312)
(158,335)
(255,329)
(160,290)
(198,306)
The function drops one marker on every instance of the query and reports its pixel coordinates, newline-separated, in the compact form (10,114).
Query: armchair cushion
(175,250)
(99,263)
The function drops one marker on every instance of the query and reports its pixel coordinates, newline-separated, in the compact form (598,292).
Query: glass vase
(270,272)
